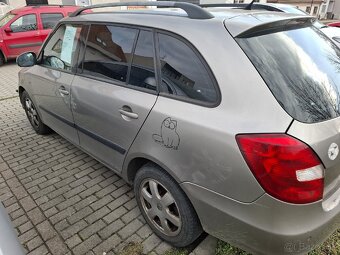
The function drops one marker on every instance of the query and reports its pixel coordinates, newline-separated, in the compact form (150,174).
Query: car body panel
(266,226)
(54,107)
(9,243)
(334,24)
(102,119)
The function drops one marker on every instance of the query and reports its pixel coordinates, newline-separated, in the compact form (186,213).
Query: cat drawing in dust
(168,136)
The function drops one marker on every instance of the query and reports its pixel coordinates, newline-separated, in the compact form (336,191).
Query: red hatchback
(25,29)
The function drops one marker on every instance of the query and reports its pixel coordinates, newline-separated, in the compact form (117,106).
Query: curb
(206,247)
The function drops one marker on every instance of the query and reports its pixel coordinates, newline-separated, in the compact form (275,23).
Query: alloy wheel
(160,207)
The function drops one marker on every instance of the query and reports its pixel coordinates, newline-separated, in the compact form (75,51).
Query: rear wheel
(165,206)
(33,116)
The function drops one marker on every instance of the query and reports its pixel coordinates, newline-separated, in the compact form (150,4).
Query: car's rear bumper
(265,226)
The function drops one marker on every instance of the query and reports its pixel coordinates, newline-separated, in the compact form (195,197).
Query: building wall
(306,5)
(336,9)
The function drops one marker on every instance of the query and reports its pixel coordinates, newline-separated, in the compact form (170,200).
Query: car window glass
(183,73)
(25,23)
(49,20)
(108,52)
(142,69)
(304,77)
(60,51)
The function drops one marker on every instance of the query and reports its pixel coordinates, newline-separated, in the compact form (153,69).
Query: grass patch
(330,247)
(177,252)
(132,249)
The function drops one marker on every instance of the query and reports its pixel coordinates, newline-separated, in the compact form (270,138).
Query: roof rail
(243,6)
(193,11)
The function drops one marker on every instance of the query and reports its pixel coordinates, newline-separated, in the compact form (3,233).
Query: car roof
(42,7)
(173,19)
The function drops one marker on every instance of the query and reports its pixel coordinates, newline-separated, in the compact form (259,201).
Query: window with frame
(108,52)
(142,72)
(183,72)
(49,20)
(24,23)
(60,51)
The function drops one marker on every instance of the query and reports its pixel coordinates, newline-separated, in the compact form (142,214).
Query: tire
(33,116)
(170,202)
(2,59)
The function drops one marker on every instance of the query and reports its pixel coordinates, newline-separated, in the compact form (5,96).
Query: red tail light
(285,167)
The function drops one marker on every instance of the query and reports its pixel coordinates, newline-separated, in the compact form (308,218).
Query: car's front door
(51,84)
(22,35)
(115,91)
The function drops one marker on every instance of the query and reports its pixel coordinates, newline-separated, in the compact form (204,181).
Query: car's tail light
(285,167)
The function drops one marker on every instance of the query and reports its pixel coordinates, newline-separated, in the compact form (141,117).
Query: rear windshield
(302,69)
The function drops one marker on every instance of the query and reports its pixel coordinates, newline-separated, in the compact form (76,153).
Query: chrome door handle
(63,92)
(131,115)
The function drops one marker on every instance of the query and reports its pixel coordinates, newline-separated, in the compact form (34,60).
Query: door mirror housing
(8,30)
(27,59)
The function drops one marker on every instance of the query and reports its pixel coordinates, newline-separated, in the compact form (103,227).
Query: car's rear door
(115,90)
(49,19)
(51,79)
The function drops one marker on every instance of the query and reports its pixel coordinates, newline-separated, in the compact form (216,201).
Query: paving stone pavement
(60,200)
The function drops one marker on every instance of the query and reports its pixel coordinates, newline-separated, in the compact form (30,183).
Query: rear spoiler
(277,26)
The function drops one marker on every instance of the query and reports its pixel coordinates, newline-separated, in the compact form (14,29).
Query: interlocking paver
(60,200)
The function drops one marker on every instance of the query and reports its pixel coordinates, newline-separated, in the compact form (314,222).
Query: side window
(60,51)
(183,73)
(143,69)
(108,52)
(49,20)
(24,23)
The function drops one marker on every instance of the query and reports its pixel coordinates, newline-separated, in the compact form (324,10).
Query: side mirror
(56,62)
(8,30)
(27,59)
(150,83)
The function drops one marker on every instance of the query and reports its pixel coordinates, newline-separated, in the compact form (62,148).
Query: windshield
(6,18)
(304,77)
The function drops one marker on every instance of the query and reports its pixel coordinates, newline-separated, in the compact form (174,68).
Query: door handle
(63,91)
(127,112)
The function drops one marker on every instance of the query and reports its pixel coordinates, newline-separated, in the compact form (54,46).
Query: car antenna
(248,7)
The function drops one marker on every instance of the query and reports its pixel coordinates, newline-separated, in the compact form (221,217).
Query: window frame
(157,65)
(117,82)
(19,17)
(76,57)
(47,13)
(201,59)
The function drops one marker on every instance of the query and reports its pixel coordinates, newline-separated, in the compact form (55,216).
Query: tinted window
(25,23)
(142,69)
(49,20)
(109,51)
(60,51)
(183,73)
(303,76)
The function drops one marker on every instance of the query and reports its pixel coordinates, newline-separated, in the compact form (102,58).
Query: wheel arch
(135,162)
(3,54)
(21,90)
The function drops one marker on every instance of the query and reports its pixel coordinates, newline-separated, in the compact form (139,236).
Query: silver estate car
(226,122)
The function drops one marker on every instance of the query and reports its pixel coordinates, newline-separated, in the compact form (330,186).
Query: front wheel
(165,206)
(33,116)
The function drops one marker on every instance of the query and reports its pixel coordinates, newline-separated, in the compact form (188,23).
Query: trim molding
(24,45)
(94,136)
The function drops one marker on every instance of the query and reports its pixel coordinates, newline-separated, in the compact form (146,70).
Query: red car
(334,24)
(25,29)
